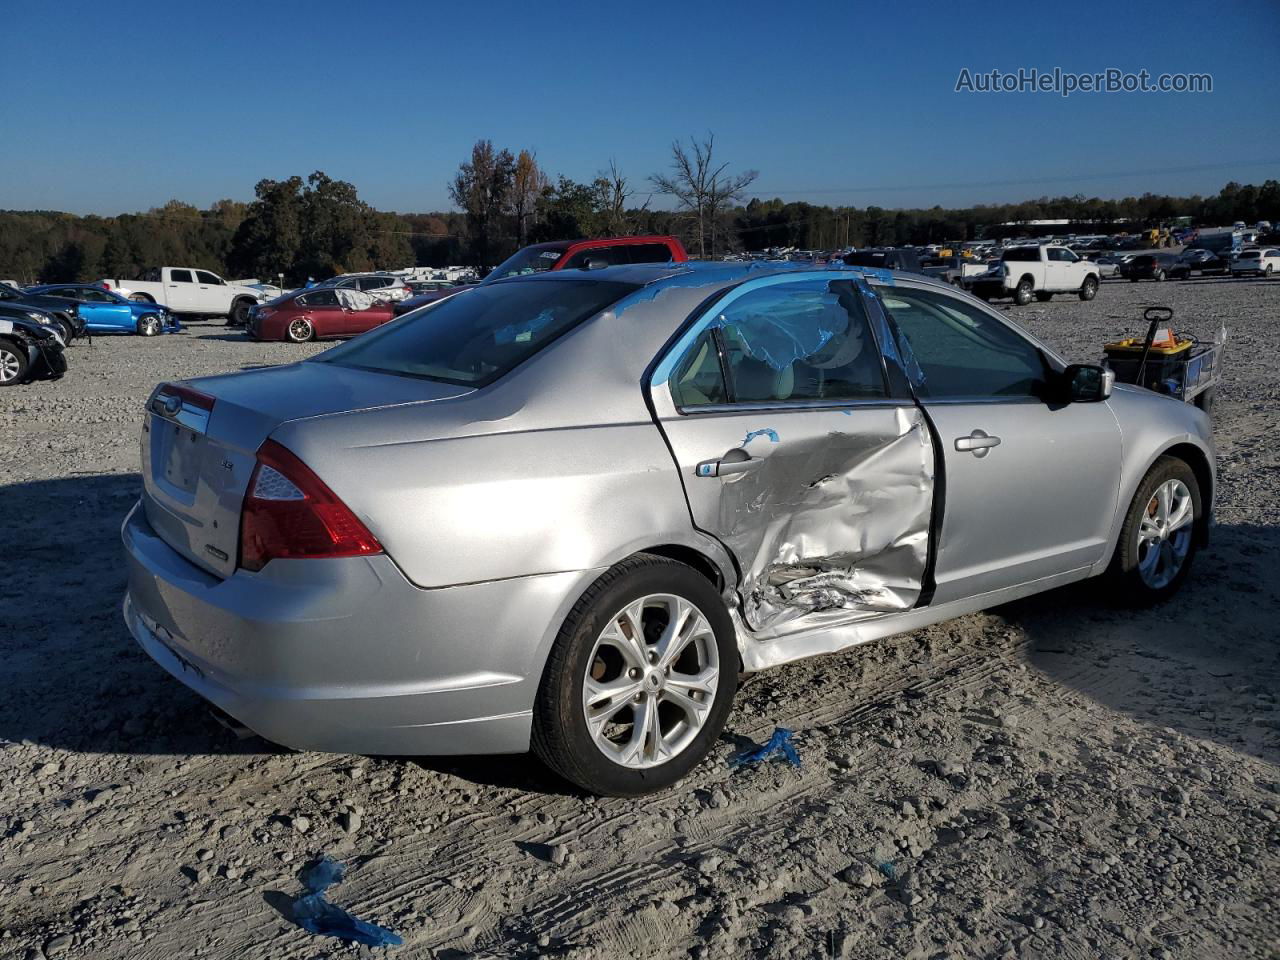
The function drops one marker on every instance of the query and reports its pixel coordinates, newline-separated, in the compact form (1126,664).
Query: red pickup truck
(568,255)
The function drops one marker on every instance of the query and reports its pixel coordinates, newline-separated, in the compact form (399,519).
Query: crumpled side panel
(839,534)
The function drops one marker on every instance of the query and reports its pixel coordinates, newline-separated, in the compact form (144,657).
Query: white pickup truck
(1039,271)
(192,291)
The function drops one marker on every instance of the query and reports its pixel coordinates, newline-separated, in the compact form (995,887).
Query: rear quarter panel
(556,467)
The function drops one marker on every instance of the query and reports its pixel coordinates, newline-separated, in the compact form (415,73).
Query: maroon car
(316,314)
(568,255)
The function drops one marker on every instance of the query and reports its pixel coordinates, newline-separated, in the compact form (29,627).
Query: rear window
(1021,255)
(474,340)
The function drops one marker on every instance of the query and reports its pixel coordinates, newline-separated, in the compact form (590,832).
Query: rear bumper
(346,655)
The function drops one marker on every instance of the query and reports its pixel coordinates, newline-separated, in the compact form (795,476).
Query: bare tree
(613,194)
(700,186)
(527,184)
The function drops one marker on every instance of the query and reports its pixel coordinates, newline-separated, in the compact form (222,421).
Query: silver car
(566,511)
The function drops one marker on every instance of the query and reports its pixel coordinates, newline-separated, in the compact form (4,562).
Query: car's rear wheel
(1159,275)
(1158,540)
(639,681)
(148,326)
(1088,289)
(1022,293)
(300,330)
(13,363)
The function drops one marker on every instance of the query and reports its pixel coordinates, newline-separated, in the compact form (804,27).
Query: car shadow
(73,677)
(1205,664)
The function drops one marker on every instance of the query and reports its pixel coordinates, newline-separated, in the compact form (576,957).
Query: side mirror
(1088,383)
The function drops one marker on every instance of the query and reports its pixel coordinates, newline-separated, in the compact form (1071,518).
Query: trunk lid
(200,440)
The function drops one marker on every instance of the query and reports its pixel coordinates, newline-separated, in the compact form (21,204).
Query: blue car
(106,312)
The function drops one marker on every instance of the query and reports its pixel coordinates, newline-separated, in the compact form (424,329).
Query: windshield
(474,340)
(528,260)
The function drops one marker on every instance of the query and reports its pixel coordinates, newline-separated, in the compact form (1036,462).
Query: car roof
(716,273)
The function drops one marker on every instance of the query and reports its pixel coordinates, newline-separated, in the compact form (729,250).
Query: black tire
(14,365)
(66,329)
(1022,293)
(1043,296)
(1126,581)
(300,330)
(149,325)
(239,314)
(1158,276)
(1267,271)
(561,738)
(1205,400)
(1089,289)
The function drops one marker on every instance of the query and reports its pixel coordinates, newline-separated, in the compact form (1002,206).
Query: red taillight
(289,513)
(105,285)
(190,397)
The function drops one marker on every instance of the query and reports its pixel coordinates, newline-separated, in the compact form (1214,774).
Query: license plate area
(176,452)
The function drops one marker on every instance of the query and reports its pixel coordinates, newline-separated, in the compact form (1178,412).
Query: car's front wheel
(239,314)
(148,326)
(1158,540)
(639,681)
(13,363)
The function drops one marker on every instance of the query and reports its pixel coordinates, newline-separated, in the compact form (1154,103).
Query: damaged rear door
(800,452)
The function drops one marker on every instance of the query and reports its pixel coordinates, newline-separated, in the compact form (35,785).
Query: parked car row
(323,312)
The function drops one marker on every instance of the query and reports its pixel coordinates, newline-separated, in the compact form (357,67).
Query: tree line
(317,226)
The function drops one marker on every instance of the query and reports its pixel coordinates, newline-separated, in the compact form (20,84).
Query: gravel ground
(1055,778)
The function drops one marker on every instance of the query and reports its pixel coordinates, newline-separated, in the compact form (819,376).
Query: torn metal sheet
(838,529)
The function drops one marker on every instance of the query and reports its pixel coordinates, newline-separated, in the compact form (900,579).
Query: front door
(211,294)
(796,454)
(103,311)
(1030,487)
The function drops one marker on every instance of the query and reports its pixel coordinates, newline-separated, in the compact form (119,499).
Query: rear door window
(649,253)
(180,276)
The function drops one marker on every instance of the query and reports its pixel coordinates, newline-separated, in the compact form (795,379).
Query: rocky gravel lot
(1054,778)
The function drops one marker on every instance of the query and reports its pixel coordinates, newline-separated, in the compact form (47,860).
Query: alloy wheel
(651,681)
(10,365)
(299,330)
(1164,535)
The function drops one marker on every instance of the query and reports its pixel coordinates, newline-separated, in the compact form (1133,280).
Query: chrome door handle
(979,443)
(735,461)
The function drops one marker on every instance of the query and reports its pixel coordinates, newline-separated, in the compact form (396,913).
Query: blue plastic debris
(316,915)
(888,869)
(766,432)
(779,745)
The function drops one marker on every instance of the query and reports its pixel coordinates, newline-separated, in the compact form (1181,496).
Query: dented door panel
(831,522)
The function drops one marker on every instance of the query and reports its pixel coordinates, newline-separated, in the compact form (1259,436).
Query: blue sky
(122,106)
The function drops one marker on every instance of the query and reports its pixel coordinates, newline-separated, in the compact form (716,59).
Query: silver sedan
(566,512)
